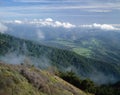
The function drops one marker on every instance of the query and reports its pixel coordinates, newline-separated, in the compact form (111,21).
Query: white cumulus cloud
(51,22)
(18,21)
(3,28)
(44,22)
(49,19)
(101,26)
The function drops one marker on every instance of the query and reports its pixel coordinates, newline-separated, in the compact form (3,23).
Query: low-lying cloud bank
(49,22)
(100,26)
(44,22)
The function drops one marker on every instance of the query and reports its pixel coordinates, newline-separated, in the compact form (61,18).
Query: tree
(88,86)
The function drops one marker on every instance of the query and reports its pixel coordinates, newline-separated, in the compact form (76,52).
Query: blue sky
(73,11)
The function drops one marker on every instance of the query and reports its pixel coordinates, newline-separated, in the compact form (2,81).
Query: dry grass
(42,81)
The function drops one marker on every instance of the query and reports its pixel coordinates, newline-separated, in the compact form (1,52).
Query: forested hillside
(62,59)
(93,43)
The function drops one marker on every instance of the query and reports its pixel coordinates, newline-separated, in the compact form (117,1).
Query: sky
(73,11)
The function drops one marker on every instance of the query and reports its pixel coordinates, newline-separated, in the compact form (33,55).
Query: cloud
(12,58)
(18,21)
(100,11)
(40,35)
(49,19)
(57,10)
(44,22)
(60,6)
(41,1)
(100,26)
(51,22)
(52,1)
(3,28)
(65,25)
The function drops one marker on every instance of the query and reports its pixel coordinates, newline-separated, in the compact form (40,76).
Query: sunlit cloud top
(48,22)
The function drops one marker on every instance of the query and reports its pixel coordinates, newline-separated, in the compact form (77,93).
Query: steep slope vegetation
(23,80)
(62,59)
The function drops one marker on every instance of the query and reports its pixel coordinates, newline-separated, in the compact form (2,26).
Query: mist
(3,28)
(101,78)
(21,55)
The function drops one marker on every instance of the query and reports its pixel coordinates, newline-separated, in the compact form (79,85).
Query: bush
(86,85)
(72,78)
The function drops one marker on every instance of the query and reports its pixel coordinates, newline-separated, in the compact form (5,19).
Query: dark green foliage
(113,89)
(71,78)
(105,91)
(86,85)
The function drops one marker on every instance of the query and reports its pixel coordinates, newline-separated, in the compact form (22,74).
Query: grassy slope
(22,80)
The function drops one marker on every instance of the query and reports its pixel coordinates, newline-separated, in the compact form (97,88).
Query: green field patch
(65,43)
(82,51)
